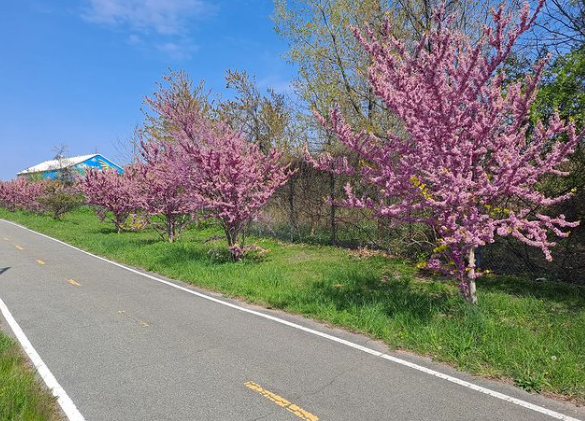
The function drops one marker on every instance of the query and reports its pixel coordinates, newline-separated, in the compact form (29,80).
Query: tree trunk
(228,237)
(470,290)
(171,231)
(232,243)
(333,222)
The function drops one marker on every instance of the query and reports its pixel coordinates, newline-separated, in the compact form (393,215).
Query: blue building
(75,166)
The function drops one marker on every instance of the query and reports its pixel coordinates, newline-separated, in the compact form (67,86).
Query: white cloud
(134,39)
(177,51)
(167,17)
(161,26)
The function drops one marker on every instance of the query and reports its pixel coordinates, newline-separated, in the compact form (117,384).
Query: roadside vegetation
(425,138)
(21,397)
(532,333)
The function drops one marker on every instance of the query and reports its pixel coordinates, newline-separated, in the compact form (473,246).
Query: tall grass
(21,398)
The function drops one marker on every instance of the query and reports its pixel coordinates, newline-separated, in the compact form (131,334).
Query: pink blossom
(21,194)
(231,179)
(224,175)
(467,165)
(115,195)
(164,193)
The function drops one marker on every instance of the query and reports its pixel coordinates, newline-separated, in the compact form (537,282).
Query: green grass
(532,333)
(21,398)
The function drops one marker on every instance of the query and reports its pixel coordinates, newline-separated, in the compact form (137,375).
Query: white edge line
(350,344)
(63,398)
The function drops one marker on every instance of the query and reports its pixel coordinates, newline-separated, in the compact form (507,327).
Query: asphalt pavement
(126,345)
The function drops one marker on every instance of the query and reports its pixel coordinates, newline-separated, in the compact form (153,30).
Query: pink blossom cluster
(218,170)
(21,194)
(465,160)
(115,195)
(231,179)
(202,168)
(164,192)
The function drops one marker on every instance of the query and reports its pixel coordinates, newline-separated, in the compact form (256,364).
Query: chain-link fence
(510,257)
(301,211)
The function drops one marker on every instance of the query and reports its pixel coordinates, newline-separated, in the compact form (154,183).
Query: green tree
(564,88)
(59,198)
(185,95)
(267,120)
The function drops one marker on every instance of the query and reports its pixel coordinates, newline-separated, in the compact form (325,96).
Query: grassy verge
(533,333)
(21,398)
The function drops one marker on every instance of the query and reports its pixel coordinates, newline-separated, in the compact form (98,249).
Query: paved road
(127,347)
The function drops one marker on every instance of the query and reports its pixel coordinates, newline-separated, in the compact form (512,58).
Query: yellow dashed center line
(142,323)
(74,282)
(20,248)
(280,401)
(40,262)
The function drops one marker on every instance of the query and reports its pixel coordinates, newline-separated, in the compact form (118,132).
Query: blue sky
(75,72)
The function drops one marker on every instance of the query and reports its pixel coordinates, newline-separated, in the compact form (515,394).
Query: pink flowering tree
(115,195)
(465,160)
(9,195)
(22,194)
(4,195)
(228,178)
(166,199)
(231,179)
